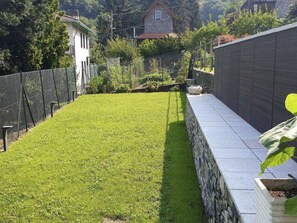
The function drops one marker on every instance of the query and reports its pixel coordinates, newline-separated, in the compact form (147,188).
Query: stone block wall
(205,79)
(218,203)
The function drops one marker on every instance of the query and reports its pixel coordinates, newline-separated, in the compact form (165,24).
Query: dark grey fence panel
(253,76)
(246,80)
(219,71)
(234,72)
(263,82)
(225,75)
(285,73)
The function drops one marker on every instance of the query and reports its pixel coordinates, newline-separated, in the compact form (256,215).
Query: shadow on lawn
(180,201)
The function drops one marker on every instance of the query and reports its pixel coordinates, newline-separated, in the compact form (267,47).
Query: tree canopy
(31,35)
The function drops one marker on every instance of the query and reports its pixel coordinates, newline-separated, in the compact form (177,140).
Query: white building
(79,48)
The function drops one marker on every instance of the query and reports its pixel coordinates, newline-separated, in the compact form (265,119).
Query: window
(81,40)
(87,42)
(158,15)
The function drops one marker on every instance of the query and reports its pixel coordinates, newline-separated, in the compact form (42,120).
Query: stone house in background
(158,22)
(281,7)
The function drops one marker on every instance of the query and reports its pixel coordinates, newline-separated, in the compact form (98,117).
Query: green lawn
(102,158)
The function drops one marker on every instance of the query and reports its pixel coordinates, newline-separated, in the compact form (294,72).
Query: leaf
(291,206)
(291,103)
(283,132)
(279,157)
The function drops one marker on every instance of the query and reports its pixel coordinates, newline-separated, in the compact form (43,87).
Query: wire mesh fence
(160,70)
(204,57)
(30,97)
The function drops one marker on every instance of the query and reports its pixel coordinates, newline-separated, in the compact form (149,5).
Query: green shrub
(152,86)
(156,77)
(95,85)
(123,88)
(121,47)
(183,68)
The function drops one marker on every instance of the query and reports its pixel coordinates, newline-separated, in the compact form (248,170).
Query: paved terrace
(236,151)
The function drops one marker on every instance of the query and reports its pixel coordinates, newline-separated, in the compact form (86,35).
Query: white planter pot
(195,89)
(268,208)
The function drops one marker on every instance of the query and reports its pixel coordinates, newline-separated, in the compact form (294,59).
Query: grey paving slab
(246,133)
(232,118)
(213,124)
(248,218)
(241,123)
(244,200)
(246,181)
(289,167)
(220,141)
(242,153)
(210,117)
(253,143)
(238,165)
(260,153)
(218,129)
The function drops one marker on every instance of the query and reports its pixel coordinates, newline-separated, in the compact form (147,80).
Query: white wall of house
(79,48)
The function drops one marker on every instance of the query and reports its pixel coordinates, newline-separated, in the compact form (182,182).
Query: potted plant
(276,199)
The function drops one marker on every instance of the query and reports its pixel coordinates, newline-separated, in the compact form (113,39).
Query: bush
(123,48)
(123,88)
(183,68)
(152,86)
(95,85)
(156,77)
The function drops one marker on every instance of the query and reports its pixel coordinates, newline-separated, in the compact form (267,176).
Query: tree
(35,39)
(292,14)
(123,48)
(249,23)
(86,8)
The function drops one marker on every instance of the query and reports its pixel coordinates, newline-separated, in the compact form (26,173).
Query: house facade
(281,7)
(79,48)
(158,22)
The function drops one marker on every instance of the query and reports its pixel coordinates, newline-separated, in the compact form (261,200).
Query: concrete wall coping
(237,152)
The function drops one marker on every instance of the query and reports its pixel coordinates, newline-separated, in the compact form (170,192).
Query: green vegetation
(249,23)
(31,36)
(280,149)
(212,10)
(123,48)
(124,157)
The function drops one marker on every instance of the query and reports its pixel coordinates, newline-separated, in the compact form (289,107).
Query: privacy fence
(254,75)
(29,97)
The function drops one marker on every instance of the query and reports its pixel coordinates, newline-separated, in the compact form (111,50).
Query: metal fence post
(204,57)
(23,99)
(211,56)
(4,135)
(53,103)
(42,92)
(75,79)
(67,85)
(73,95)
(55,85)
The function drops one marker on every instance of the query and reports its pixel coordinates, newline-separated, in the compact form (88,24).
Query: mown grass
(122,157)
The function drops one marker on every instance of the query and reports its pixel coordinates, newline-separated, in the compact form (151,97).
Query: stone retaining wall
(219,206)
(205,79)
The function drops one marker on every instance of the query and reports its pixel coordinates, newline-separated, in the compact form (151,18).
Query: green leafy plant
(277,141)
(123,88)
(156,77)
